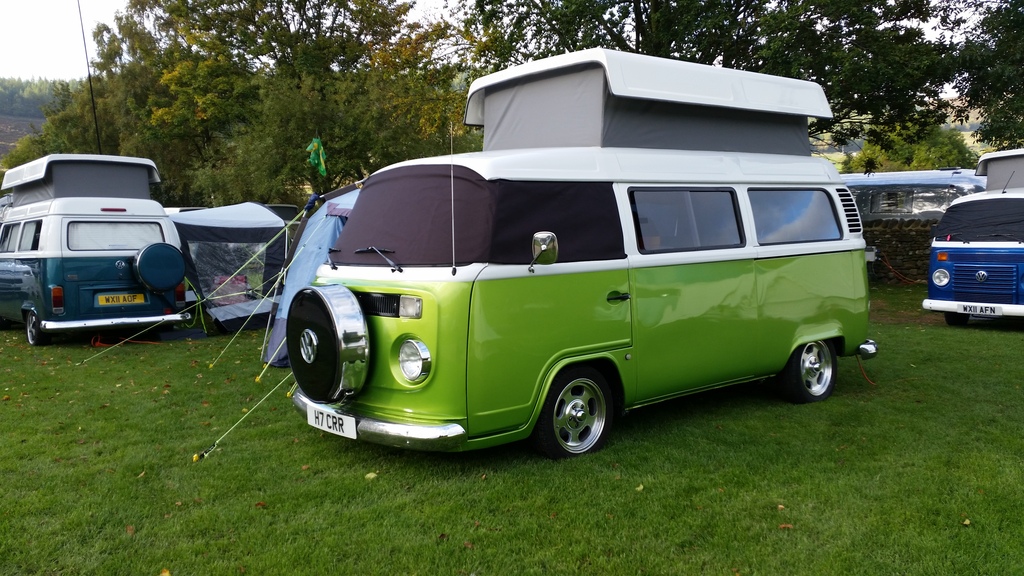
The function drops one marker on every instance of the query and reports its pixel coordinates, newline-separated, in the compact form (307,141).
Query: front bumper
(73,325)
(956,306)
(427,437)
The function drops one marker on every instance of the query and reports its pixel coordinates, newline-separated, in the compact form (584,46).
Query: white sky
(43,38)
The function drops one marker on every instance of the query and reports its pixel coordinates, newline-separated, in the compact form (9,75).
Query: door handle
(618,297)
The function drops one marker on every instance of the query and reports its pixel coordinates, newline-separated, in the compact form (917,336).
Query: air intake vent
(850,211)
(378,304)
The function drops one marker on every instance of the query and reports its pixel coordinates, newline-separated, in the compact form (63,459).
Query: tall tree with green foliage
(225,95)
(991,79)
(937,148)
(880,71)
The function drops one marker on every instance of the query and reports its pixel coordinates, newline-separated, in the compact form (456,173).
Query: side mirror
(545,249)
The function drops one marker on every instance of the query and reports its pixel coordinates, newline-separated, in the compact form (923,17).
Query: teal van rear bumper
(75,325)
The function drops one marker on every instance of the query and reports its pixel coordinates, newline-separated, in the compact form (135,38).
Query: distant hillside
(12,129)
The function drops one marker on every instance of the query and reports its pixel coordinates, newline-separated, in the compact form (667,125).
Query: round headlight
(940,277)
(414,360)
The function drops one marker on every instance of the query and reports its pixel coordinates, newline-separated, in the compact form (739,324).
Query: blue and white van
(977,256)
(84,248)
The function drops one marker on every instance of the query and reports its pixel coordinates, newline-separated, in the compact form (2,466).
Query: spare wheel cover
(328,344)
(159,267)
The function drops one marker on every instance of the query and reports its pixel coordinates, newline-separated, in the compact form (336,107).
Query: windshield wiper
(380,252)
(1002,235)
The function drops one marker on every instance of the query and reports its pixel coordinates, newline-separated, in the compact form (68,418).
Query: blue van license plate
(121,299)
(980,309)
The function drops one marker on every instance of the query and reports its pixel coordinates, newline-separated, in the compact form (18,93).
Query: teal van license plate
(329,422)
(120,299)
(980,309)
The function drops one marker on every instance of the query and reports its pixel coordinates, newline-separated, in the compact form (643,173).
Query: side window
(9,237)
(670,220)
(30,235)
(784,216)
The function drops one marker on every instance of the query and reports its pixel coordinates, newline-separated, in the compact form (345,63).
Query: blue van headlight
(940,277)
(414,360)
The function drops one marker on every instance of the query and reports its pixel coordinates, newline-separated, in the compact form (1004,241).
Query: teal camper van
(83,247)
(635,229)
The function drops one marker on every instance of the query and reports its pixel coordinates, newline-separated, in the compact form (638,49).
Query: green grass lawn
(912,467)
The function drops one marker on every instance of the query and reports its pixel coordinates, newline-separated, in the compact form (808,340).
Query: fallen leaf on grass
(165,572)
(966,522)
(467,544)
(785,526)
(130,530)
(261,504)
(370,475)
(640,488)
(305,466)
(142,474)
(442,536)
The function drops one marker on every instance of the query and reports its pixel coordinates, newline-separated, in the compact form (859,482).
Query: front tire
(956,318)
(34,331)
(577,414)
(810,373)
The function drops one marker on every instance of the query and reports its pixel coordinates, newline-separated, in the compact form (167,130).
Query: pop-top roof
(38,169)
(80,176)
(1005,169)
(651,78)
(605,98)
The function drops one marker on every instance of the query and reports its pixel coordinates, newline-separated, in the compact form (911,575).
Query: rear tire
(577,414)
(810,373)
(34,331)
(956,318)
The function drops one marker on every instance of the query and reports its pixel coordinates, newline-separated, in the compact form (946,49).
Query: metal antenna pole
(88,72)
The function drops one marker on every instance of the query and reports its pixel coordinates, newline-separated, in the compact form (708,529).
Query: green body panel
(441,397)
(812,297)
(520,328)
(696,326)
(497,344)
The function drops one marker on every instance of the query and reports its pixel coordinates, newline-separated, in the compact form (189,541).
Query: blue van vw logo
(981,276)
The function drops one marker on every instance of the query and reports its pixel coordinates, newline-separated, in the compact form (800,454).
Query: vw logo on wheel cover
(307,345)
(120,264)
(981,276)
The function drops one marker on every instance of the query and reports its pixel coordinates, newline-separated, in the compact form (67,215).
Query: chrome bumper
(867,350)
(70,326)
(426,437)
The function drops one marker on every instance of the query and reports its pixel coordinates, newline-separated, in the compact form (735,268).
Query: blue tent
(316,235)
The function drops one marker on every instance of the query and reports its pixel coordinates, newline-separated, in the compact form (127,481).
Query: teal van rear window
(113,235)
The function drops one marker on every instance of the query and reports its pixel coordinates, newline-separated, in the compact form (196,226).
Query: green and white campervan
(636,229)
(84,248)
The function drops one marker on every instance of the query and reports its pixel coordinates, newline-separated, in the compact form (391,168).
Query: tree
(991,78)
(938,148)
(879,69)
(224,96)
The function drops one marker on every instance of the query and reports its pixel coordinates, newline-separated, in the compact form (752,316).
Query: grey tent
(233,259)
(317,233)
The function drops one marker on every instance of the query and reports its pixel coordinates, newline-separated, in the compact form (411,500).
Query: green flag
(317,157)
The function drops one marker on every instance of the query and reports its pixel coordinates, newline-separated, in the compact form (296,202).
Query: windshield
(995,219)
(403,217)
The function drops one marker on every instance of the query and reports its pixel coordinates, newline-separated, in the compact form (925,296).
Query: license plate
(121,299)
(330,422)
(980,309)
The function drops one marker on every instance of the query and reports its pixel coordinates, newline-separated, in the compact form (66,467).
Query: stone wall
(903,248)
